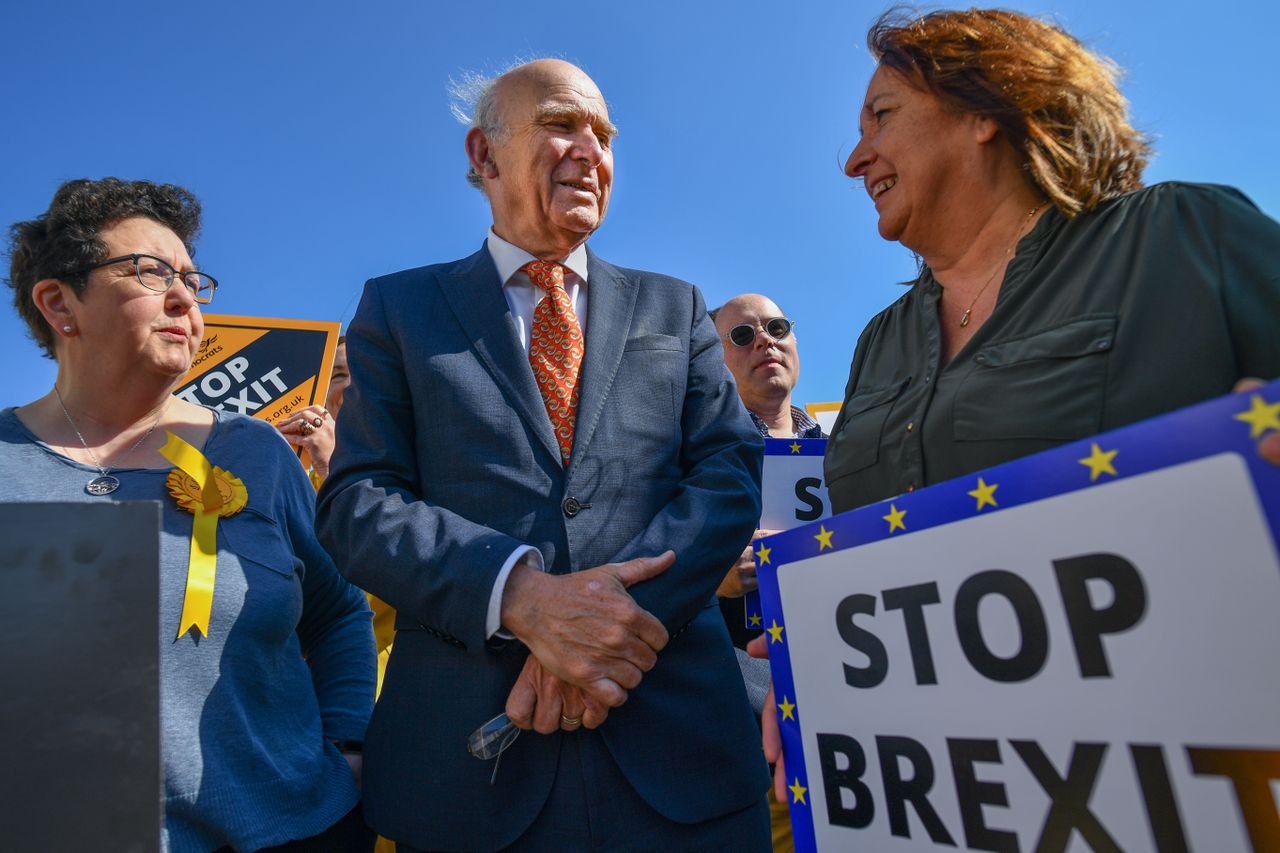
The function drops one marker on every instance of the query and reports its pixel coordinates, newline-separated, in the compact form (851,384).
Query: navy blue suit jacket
(446,462)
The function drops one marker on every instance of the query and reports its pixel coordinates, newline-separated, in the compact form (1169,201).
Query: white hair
(472,103)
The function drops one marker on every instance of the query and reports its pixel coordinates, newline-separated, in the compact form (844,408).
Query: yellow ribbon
(197,602)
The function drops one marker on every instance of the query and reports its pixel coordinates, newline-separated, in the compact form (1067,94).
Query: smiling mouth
(573,185)
(883,187)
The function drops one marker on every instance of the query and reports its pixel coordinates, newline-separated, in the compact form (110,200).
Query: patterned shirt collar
(802,426)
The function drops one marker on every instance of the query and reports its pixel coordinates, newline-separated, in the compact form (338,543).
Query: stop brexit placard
(265,367)
(1076,650)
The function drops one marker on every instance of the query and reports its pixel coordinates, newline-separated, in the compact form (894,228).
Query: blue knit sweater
(247,714)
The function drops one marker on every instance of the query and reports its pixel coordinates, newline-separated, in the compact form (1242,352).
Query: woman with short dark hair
(266,654)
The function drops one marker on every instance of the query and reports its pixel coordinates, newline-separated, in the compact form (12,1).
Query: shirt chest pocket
(1050,385)
(855,443)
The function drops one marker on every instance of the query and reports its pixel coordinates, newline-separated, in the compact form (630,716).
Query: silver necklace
(104,483)
(964,321)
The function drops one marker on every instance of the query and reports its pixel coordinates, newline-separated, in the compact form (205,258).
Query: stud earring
(67,328)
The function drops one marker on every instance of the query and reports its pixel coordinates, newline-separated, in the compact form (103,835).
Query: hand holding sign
(1269,446)
(310,428)
(1081,655)
(770,738)
(741,578)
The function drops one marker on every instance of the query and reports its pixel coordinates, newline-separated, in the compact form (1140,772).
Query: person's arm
(1247,243)
(741,577)
(716,507)
(384,538)
(335,631)
(706,524)
(433,565)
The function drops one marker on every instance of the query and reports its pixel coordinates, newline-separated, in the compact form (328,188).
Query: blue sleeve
(432,564)
(716,508)
(336,628)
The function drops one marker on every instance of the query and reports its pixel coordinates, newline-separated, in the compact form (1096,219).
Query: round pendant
(104,485)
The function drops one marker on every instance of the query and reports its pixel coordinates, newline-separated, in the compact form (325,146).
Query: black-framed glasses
(491,740)
(744,334)
(156,274)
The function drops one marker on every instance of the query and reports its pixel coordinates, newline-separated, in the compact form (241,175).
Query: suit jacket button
(571,507)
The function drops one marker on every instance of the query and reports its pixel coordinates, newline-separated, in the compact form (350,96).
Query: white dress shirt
(522,297)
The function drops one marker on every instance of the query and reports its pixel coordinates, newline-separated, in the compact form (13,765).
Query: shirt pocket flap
(869,399)
(1045,387)
(855,440)
(1079,337)
(257,539)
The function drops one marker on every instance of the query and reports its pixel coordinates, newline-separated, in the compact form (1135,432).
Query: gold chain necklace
(104,483)
(964,321)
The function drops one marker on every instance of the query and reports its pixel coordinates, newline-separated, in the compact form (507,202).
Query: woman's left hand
(1269,446)
(310,428)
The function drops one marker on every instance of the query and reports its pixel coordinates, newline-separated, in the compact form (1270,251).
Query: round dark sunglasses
(744,334)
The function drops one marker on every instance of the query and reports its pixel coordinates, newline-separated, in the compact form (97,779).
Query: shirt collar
(802,426)
(509,258)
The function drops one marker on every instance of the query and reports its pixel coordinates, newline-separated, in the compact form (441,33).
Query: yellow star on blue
(1261,416)
(787,708)
(763,554)
(985,494)
(1099,462)
(755,619)
(823,536)
(797,791)
(795,447)
(775,632)
(895,518)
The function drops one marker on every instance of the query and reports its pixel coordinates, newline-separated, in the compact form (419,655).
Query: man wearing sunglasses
(760,351)
(545,472)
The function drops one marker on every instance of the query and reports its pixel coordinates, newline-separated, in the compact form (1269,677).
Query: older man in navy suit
(543,465)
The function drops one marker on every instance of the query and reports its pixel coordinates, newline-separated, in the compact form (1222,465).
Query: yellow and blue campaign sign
(261,366)
(1073,651)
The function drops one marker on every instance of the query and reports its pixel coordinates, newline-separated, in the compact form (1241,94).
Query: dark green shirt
(1154,301)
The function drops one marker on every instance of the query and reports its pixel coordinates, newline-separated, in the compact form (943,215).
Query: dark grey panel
(79,677)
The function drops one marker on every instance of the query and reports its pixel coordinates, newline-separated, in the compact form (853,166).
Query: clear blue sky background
(318,136)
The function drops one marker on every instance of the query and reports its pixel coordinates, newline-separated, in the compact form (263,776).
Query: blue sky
(319,139)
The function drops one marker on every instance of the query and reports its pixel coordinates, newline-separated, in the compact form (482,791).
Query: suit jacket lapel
(475,295)
(612,299)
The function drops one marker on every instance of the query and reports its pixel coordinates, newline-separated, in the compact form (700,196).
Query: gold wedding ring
(570,722)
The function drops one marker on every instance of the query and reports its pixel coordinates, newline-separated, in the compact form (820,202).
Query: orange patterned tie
(555,351)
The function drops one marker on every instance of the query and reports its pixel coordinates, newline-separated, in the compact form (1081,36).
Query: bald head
(548,169)
(767,369)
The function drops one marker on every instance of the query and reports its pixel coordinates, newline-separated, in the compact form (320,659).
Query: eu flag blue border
(1205,429)
(780,447)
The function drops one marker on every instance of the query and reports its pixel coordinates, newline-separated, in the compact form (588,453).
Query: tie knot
(548,275)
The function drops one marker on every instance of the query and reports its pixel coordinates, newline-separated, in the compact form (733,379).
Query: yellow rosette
(208,493)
